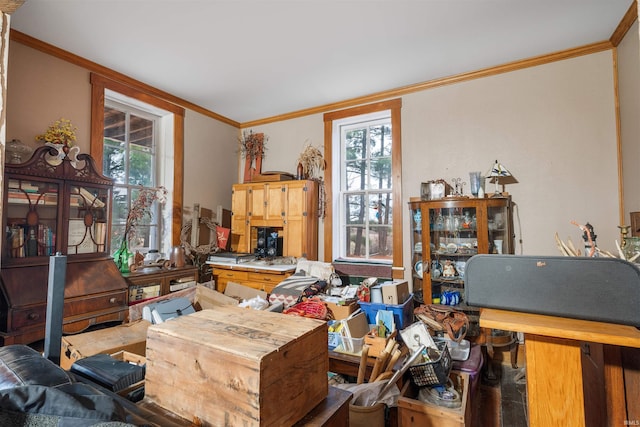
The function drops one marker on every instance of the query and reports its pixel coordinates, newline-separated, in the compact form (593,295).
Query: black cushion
(21,365)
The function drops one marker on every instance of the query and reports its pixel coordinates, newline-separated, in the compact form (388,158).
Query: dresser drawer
(269,278)
(231,274)
(93,303)
(24,318)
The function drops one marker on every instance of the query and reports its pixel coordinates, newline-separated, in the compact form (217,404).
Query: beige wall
(209,166)
(552,126)
(629,93)
(43,88)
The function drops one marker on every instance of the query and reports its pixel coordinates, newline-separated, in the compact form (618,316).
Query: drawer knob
(113,300)
(33,316)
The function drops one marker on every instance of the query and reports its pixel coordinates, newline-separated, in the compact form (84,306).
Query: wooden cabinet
(51,204)
(445,233)
(291,207)
(263,278)
(157,282)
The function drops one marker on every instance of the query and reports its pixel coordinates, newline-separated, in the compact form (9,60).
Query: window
(167,169)
(366,203)
(130,158)
(363,185)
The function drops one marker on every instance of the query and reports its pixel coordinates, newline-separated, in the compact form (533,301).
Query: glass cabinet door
(31,218)
(498,228)
(88,220)
(417,270)
(453,239)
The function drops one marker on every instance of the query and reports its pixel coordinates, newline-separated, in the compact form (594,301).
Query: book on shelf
(21,198)
(92,200)
(15,184)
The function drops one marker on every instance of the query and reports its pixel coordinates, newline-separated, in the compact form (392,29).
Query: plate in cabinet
(418,268)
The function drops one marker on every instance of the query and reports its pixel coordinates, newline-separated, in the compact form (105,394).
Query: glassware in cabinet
(453,231)
(417,268)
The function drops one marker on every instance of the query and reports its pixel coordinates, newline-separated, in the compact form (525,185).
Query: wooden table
(557,378)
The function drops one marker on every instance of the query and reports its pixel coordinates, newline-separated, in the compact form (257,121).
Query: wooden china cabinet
(446,232)
(57,203)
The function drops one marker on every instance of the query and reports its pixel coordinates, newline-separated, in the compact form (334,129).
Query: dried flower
(312,161)
(252,145)
(140,208)
(60,132)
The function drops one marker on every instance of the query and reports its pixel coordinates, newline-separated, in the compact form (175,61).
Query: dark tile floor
(513,395)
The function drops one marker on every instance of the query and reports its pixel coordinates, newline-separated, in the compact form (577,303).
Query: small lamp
(498,171)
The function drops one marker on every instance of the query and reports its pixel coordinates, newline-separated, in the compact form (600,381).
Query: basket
(435,372)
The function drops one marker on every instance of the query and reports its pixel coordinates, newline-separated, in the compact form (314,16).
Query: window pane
(356,175)
(114,124)
(354,209)
(381,173)
(113,164)
(120,205)
(380,140)
(141,131)
(380,242)
(380,208)
(356,242)
(140,168)
(355,144)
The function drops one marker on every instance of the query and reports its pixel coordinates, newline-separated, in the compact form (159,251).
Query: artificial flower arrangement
(61,132)
(123,257)
(140,208)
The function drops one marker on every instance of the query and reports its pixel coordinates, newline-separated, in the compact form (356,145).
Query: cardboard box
(236,290)
(342,311)
(377,344)
(412,411)
(128,336)
(394,292)
(233,366)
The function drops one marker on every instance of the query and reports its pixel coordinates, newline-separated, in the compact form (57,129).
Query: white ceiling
(252,59)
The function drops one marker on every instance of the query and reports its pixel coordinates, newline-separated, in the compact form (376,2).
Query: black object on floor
(115,375)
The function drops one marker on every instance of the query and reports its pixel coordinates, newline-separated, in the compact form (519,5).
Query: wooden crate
(414,412)
(235,366)
(128,336)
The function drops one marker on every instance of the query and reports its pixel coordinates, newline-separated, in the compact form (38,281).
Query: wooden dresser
(254,275)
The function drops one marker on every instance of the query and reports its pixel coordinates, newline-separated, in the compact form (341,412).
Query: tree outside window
(130,160)
(367,190)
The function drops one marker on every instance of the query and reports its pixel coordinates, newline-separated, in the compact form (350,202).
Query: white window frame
(163,161)
(340,127)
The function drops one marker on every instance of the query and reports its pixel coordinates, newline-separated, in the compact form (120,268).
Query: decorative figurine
(449,270)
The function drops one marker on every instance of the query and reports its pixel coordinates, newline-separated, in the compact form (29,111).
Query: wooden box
(128,336)
(377,344)
(414,412)
(234,366)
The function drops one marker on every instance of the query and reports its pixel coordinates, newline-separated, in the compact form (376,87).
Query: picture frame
(635,224)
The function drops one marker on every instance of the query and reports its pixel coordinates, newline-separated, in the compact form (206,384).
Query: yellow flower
(60,132)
